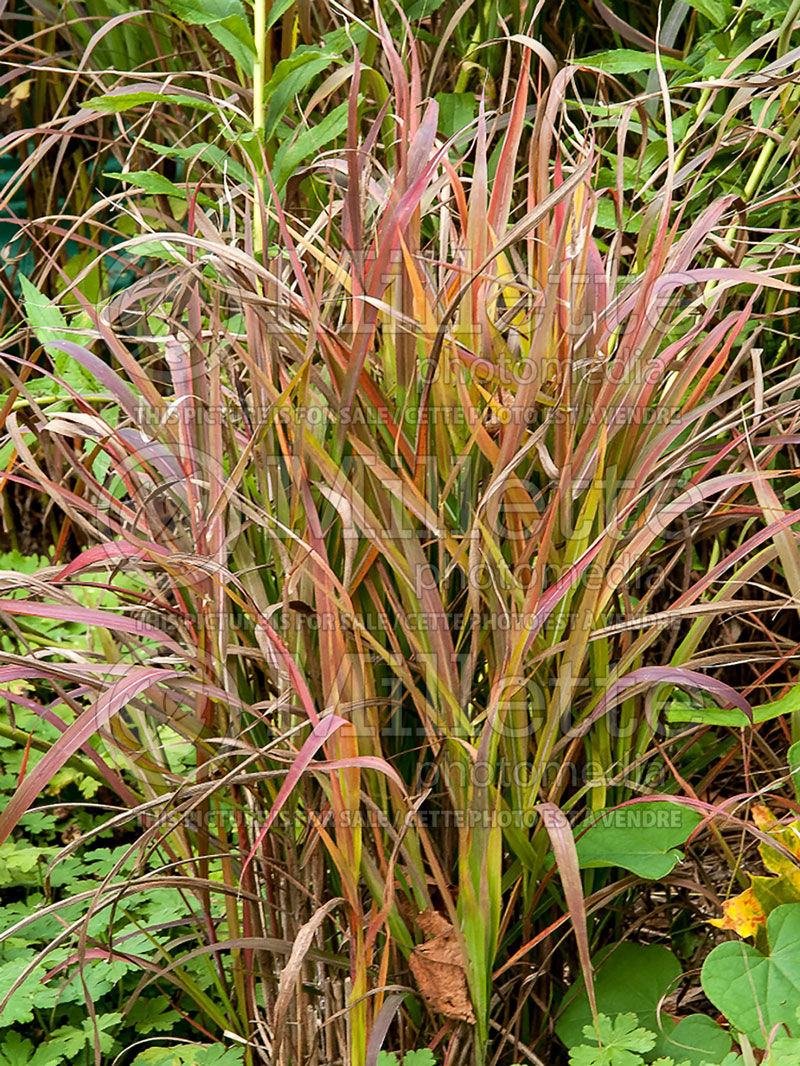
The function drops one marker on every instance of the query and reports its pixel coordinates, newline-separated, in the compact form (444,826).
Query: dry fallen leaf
(438,969)
(20,92)
(434,924)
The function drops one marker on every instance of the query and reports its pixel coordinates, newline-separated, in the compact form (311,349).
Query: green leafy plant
(633,982)
(621,1043)
(188,1055)
(423,1057)
(758,991)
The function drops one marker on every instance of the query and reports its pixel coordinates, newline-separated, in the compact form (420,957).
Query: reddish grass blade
(322,732)
(654,675)
(558,828)
(139,680)
(99,554)
(89,616)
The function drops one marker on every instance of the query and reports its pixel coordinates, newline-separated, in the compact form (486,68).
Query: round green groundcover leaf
(641,837)
(757,992)
(636,978)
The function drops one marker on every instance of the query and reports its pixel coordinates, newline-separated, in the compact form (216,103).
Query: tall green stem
(259,72)
(259,81)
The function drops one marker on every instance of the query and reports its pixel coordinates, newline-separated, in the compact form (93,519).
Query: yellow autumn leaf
(742,914)
(788,836)
(747,913)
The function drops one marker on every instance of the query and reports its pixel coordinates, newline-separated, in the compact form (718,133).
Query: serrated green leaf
(116,103)
(630,61)
(234,35)
(16,1050)
(617,1042)
(157,185)
(311,141)
(203,12)
(48,325)
(716,11)
(623,1031)
(423,1057)
(387,1058)
(189,1055)
(290,77)
(278,9)
(46,320)
(22,564)
(68,1040)
(31,994)
(19,859)
(151,1015)
(207,153)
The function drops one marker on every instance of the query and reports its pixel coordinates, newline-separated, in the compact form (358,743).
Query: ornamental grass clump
(399,487)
